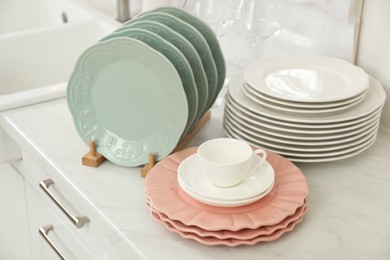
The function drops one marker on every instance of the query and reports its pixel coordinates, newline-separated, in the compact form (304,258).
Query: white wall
(374,47)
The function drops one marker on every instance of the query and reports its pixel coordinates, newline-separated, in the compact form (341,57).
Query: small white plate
(255,184)
(227,203)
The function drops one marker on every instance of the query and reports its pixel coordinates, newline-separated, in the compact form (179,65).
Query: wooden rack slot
(184,142)
(94,159)
(147,167)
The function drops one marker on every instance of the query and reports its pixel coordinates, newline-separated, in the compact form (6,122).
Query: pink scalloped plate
(243,234)
(166,196)
(213,241)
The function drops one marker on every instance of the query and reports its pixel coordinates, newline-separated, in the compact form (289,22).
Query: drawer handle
(44,231)
(77,221)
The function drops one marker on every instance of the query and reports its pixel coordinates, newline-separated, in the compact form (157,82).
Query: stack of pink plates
(265,219)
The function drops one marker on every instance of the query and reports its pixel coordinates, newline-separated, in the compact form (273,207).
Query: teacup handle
(263,157)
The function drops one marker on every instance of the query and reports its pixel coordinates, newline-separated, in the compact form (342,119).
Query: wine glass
(218,14)
(257,20)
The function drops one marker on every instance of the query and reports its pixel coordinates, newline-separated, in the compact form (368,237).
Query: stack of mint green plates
(145,86)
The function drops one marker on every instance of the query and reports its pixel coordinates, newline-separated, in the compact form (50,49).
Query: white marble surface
(349,200)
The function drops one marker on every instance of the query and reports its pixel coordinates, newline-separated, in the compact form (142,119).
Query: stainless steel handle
(44,231)
(77,221)
(123,7)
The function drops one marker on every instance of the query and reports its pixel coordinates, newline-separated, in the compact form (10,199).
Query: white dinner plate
(300,131)
(287,140)
(129,99)
(251,94)
(307,78)
(256,183)
(297,104)
(279,144)
(308,156)
(373,100)
(336,157)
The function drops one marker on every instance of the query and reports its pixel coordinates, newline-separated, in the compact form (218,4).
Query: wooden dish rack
(94,159)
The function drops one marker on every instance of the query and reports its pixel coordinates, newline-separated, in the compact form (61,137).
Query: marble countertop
(349,200)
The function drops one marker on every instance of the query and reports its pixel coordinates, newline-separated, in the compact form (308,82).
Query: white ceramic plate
(256,183)
(129,99)
(307,156)
(334,158)
(267,136)
(301,148)
(251,94)
(307,78)
(299,133)
(296,104)
(226,203)
(373,100)
(328,144)
(298,128)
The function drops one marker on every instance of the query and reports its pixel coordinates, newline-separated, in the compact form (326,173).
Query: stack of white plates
(144,87)
(307,108)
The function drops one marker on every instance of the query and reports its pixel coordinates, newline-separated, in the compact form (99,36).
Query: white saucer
(197,185)
(227,203)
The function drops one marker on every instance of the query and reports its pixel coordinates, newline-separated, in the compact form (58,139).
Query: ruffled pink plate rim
(232,242)
(166,196)
(243,234)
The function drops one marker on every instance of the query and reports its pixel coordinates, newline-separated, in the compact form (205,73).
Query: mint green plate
(129,99)
(210,37)
(176,58)
(189,52)
(196,39)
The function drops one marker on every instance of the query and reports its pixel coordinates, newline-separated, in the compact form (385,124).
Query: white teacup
(226,161)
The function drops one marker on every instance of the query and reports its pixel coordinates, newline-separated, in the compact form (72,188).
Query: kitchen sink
(22,15)
(40,42)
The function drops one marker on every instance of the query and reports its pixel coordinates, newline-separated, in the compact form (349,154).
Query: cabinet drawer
(63,200)
(58,239)
(13,217)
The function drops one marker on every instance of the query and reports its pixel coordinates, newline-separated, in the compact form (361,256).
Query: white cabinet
(50,237)
(51,212)
(26,208)
(14,238)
